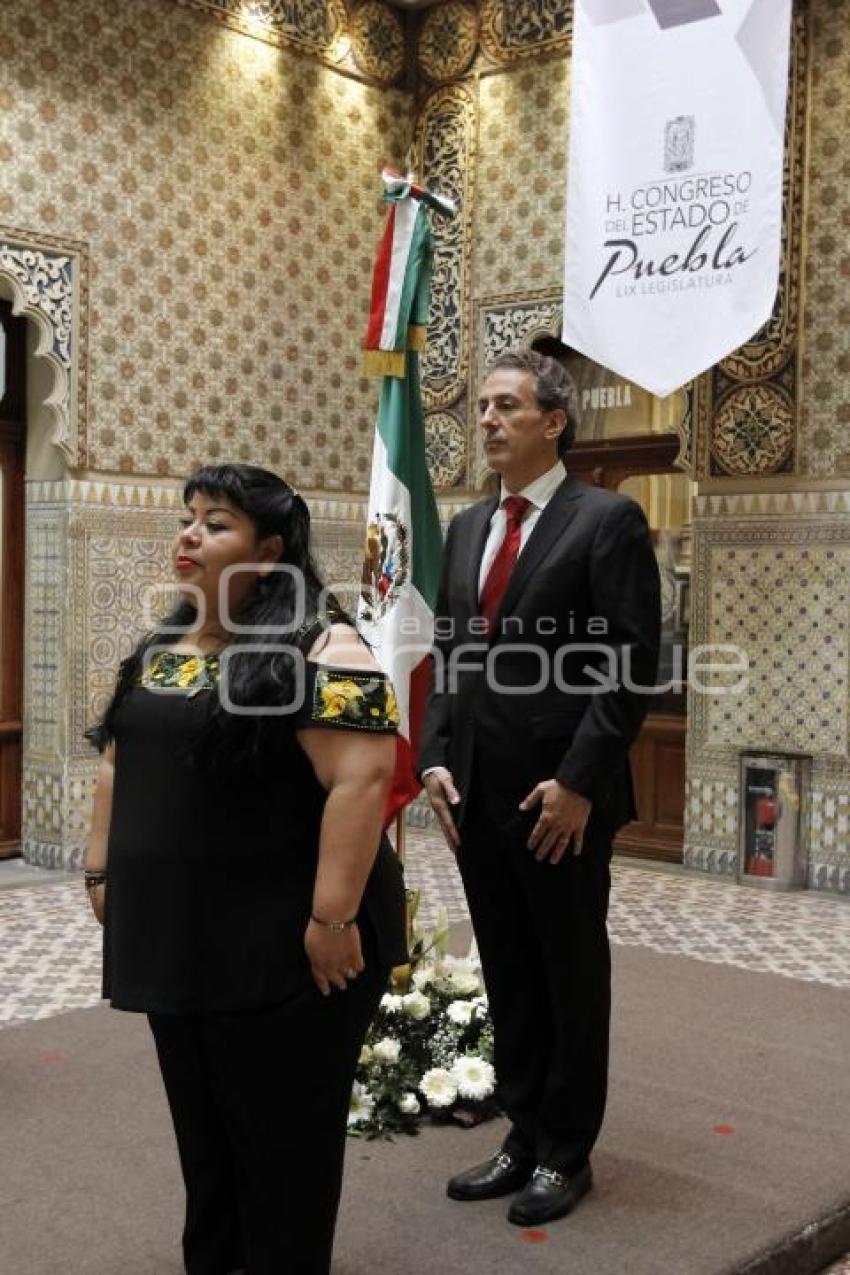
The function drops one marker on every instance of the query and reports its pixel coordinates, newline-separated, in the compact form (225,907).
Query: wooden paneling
(658,767)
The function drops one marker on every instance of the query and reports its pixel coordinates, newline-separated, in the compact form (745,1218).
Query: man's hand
(563,819)
(442,794)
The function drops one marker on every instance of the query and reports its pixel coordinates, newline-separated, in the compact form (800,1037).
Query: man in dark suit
(547,634)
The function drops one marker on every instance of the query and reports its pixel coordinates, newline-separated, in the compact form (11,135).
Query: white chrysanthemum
(416,1005)
(439,1087)
(474,1077)
(460,1012)
(424,976)
(361,1104)
(387,1050)
(464,981)
(391,1004)
(408,1104)
(480,1007)
(365,1055)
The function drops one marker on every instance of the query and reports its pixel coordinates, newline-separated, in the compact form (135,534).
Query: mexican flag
(404,544)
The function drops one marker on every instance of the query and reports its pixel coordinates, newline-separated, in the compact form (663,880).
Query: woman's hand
(335,959)
(97,899)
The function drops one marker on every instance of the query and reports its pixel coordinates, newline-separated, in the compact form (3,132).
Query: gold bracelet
(335,927)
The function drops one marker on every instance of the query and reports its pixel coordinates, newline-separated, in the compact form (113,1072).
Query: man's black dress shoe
(500,1176)
(549,1195)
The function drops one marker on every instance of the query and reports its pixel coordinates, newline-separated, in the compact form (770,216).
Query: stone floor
(50,956)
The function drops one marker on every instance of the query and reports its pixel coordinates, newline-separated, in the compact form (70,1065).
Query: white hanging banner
(674,200)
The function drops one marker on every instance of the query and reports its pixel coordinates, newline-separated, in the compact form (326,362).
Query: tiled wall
(521,179)
(825,446)
(771,567)
(227,192)
(771,576)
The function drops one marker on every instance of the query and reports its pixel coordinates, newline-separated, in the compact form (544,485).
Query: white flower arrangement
(429,1051)
(361,1106)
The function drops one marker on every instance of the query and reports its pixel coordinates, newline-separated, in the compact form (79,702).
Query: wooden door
(12,457)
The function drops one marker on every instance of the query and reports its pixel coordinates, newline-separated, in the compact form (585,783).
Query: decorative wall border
(365,39)
(534,27)
(45,628)
(748,406)
(511,318)
(74,492)
(447,449)
(276,22)
(772,504)
(450,169)
(711,797)
(140,495)
(378,41)
(447,40)
(49,281)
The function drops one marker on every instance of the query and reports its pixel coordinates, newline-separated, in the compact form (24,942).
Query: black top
(211,871)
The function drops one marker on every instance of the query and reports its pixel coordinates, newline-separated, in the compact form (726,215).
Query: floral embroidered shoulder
(364,700)
(359,699)
(177,670)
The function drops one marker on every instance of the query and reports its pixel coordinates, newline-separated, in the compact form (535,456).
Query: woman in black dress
(251,907)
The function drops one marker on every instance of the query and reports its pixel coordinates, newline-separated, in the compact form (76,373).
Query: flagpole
(401,837)
(403,539)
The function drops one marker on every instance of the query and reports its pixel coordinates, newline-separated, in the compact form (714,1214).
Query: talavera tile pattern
(447,40)
(771,576)
(711,823)
(826,367)
(227,190)
(525,28)
(796,684)
(521,179)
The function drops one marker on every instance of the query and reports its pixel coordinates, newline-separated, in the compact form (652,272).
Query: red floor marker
(723,1128)
(533,1237)
(55,1057)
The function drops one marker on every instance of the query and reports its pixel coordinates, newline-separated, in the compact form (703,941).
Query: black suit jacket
(552,693)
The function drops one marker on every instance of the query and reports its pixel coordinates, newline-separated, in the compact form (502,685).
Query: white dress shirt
(539,492)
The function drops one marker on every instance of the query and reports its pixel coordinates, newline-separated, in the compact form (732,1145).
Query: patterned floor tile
(50,956)
(803,936)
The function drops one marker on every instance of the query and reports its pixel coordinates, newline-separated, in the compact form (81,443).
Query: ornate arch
(48,282)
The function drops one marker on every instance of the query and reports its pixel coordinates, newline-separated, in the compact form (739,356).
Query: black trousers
(259,1101)
(543,942)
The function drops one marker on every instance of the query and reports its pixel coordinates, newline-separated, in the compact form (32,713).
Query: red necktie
(505,559)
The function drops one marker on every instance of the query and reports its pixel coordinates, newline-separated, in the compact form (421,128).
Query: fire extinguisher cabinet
(774,792)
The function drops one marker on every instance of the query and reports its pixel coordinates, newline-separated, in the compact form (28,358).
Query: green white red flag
(404,544)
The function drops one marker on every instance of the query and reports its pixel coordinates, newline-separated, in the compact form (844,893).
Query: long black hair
(255,677)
